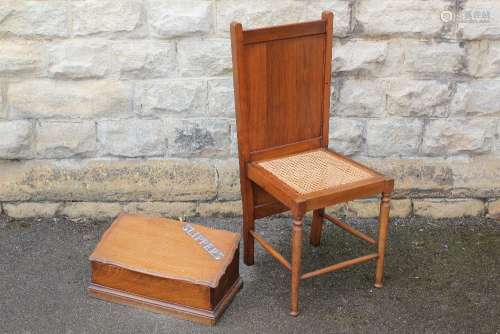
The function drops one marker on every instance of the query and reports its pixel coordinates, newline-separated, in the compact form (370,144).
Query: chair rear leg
(316,227)
(248,224)
(382,237)
(297,229)
(248,241)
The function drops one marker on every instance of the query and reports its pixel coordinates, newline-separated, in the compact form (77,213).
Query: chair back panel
(280,93)
(285,88)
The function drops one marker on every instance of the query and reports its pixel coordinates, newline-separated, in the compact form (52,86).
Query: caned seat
(282,79)
(315,170)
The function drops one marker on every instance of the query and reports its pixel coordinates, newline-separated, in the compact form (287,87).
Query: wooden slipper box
(167,266)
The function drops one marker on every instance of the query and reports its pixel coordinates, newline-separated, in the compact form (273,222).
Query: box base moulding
(206,317)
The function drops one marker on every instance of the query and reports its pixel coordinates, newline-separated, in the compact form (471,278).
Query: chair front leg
(297,229)
(382,237)
(316,227)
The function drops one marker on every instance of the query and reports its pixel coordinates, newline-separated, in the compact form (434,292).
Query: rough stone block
(444,137)
(180,17)
(15,140)
(221,98)
(360,98)
(60,139)
(486,26)
(20,57)
(425,57)
(483,58)
(494,208)
(107,180)
(79,59)
(258,13)
(145,59)
(92,17)
(229,180)
(360,56)
(198,137)
(131,138)
(93,210)
(220,209)
(34,18)
(208,57)
(31,210)
(234,141)
(400,208)
(391,17)
(173,210)
(476,98)
(418,98)
(3,107)
(341,10)
(448,208)
(95,58)
(416,177)
(347,134)
(187,97)
(393,137)
(477,177)
(62,99)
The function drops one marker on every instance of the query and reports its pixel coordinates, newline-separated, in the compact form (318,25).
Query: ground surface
(441,277)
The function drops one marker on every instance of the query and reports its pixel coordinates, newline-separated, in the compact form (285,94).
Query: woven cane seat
(314,171)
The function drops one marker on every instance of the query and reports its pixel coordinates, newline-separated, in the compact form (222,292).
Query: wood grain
(153,264)
(339,266)
(350,229)
(283,32)
(159,247)
(316,227)
(268,248)
(282,78)
(206,317)
(383,223)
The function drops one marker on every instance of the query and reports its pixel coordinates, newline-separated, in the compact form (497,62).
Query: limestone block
(15,140)
(63,139)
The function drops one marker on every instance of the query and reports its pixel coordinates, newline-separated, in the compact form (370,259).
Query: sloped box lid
(167,248)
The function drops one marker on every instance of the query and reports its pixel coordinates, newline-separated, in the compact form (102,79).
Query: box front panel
(162,289)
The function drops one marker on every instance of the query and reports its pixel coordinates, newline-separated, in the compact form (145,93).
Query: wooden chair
(282,78)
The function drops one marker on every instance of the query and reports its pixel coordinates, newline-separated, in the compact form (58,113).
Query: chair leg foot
(297,229)
(382,238)
(316,227)
(248,249)
(249,261)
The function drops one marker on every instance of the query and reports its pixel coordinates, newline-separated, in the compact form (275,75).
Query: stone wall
(109,105)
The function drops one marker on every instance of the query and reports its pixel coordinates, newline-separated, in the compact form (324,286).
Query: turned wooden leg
(316,227)
(383,222)
(296,255)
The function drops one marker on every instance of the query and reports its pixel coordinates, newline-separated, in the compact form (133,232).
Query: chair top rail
(286,31)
